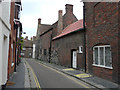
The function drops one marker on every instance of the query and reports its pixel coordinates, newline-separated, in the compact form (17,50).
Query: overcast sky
(47,10)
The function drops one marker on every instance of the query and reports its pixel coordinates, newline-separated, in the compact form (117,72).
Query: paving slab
(18,77)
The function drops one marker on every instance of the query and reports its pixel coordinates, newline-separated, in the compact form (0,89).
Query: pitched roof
(71,28)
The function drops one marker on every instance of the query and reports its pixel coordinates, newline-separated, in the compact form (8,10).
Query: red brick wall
(102,28)
(12,41)
(102,72)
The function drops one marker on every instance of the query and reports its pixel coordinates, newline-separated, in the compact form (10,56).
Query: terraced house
(15,35)
(10,32)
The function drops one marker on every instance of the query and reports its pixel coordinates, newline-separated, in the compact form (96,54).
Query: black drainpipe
(15,28)
(84,35)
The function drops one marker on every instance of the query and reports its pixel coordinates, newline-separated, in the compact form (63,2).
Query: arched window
(102,56)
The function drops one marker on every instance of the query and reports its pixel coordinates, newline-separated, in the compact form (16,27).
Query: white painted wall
(4,39)
(33,50)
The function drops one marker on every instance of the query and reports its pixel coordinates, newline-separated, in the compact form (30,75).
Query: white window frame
(80,49)
(12,62)
(22,54)
(18,33)
(99,56)
(19,11)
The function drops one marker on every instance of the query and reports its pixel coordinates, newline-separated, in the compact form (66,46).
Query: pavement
(24,78)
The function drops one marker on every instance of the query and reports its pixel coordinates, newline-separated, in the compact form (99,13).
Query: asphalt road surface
(51,78)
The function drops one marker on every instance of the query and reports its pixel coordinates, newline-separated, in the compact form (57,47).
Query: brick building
(102,39)
(46,34)
(67,47)
(41,29)
(15,34)
(27,50)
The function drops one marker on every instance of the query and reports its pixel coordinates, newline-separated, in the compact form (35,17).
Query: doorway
(74,59)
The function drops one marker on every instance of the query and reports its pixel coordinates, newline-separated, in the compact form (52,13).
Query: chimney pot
(60,11)
(69,8)
(39,21)
(26,38)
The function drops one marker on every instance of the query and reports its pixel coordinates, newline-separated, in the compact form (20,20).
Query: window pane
(108,62)
(101,56)
(96,56)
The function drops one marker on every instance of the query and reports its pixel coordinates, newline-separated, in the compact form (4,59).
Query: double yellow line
(66,76)
(35,78)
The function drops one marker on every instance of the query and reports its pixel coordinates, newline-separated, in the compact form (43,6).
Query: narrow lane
(51,78)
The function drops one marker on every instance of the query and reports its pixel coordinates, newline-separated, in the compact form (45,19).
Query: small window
(24,49)
(17,10)
(22,54)
(80,49)
(102,56)
(12,62)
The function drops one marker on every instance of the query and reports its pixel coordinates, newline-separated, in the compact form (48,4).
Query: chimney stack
(69,8)
(39,21)
(60,21)
(26,38)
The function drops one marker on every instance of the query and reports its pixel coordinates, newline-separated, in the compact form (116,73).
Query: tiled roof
(71,28)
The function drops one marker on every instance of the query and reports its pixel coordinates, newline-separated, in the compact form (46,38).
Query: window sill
(102,66)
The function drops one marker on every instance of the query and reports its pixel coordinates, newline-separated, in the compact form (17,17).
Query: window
(18,32)
(17,11)
(12,62)
(22,54)
(80,49)
(30,54)
(102,56)
(24,49)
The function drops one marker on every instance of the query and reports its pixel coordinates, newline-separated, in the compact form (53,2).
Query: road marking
(35,78)
(65,75)
(69,69)
(83,75)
